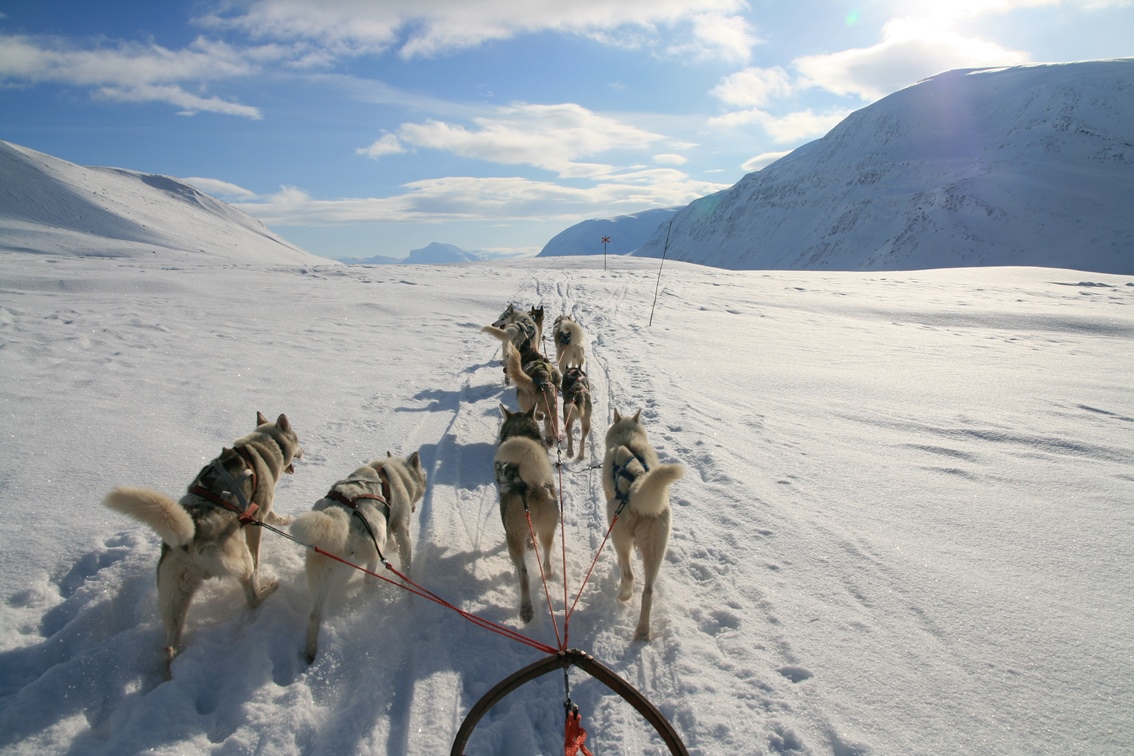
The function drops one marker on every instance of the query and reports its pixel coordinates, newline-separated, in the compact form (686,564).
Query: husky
(514,328)
(355,520)
(570,343)
(576,393)
(203,534)
(536,314)
(637,493)
(537,383)
(526,482)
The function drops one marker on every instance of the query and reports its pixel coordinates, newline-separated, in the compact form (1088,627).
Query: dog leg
(321,579)
(584,431)
(653,552)
(252,538)
(568,422)
(623,546)
(516,547)
(405,547)
(177,582)
(243,566)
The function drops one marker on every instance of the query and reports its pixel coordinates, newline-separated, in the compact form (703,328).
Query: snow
(906,526)
(626,234)
(1028,165)
(51,206)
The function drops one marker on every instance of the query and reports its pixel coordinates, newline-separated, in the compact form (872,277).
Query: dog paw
(526,613)
(642,634)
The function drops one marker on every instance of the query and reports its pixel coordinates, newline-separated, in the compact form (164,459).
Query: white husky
(570,343)
(354,521)
(204,534)
(637,492)
(523,473)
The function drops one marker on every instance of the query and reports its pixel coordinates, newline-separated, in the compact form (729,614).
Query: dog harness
(351,503)
(622,472)
(575,383)
(540,373)
(231,486)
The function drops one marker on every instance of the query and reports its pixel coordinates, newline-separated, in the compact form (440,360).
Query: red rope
(417,590)
(574,735)
(543,579)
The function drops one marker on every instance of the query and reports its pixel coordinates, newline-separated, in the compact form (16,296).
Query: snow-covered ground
(906,525)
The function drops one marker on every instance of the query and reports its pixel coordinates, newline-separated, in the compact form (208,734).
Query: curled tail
(516,369)
(155,509)
(649,494)
(499,333)
(328,529)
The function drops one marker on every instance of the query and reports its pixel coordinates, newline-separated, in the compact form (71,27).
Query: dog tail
(499,333)
(323,529)
(516,369)
(648,495)
(155,509)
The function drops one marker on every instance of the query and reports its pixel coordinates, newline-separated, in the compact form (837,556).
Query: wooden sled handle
(589,665)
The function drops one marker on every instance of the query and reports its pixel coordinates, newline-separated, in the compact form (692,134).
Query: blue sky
(373,127)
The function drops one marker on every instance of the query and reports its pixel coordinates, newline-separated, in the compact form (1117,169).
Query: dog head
(519,425)
(536,314)
(282,433)
(506,317)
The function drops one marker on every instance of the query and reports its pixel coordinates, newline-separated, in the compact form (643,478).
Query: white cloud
(793,127)
(132,72)
(387,145)
(753,87)
(910,50)
(218,188)
(552,137)
(762,161)
(499,200)
(670,159)
(425,28)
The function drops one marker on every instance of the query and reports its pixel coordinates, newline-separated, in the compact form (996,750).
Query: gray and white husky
(356,518)
(524,476)
(515,328)
(577,404)
(570,343)
(637,485)
(204,535)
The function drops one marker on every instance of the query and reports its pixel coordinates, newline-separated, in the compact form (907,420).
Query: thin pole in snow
(658,286)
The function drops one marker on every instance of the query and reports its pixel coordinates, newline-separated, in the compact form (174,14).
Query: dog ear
(504,411)
(617,417)
(637,416)
(283,424)
(260,419)
(415,460)
(388,454)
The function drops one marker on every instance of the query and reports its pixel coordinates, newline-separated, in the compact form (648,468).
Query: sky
(356,128)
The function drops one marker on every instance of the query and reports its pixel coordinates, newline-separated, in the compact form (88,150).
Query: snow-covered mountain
(1030,165)
(434,253)
(626,232)
(51,206)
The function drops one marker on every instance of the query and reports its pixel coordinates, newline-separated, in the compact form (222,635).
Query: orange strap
(576,736)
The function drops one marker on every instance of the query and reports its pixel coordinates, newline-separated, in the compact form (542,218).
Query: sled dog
(576,393)
(524,477)
(536,314)
(356,518)
(637,491)
(570,343)
(537,383)
(204,534)
(514,328)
